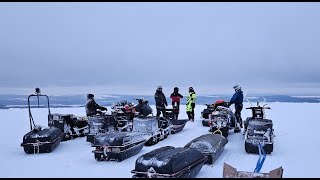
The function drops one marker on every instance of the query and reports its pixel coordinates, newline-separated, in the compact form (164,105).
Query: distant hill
(20,101)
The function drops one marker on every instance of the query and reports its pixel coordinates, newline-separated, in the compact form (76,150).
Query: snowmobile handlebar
(258,107)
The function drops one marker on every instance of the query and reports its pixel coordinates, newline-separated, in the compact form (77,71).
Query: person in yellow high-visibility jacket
(191,103)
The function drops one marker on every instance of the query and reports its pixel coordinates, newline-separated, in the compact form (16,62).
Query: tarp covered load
(170,162)
(118,145)
(211,145)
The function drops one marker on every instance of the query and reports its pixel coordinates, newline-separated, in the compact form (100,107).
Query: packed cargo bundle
(118,145)
(169,162)
(211,145)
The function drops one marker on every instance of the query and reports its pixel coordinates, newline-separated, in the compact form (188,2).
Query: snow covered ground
(295,149)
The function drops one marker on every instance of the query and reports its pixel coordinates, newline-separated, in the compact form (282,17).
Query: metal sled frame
(30,115)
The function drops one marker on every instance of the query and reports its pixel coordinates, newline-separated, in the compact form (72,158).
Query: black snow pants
(237,113)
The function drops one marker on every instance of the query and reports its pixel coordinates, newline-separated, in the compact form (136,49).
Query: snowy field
(296,146)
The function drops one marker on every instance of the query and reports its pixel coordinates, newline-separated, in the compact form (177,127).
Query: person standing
(191,104)
(161,102)
(175,97)
(237,100)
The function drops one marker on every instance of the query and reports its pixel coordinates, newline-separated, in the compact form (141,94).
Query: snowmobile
(169,162)
(210,145)
(71,125)
(123,113)
(39,139)
(222,119)
(210,108)
(258,130)
(118,145)
(177,124)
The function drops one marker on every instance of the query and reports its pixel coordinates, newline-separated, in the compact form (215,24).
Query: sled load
(71,125)
(210,145)
(157,128)
(177,124)
(118,145)
(210,108)
(123,113)
(97,125)
(169,162)
(258,130)
(39,139)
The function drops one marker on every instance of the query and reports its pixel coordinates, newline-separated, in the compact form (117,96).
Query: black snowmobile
(118,145)
(123,113)
(206,113)
(39,139)
(71,125)
(177,124)
(258,130)
(222,119)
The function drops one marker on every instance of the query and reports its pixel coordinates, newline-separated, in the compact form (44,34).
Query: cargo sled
(157,128)
(39,139)
(231,172)
(71,125)
(97,125)
(118,145)
(169,162)
(258,130)
(177,124)
(210,145)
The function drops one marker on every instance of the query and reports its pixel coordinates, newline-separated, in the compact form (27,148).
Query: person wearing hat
(92,108)
(161,102)
(237,100)
(175,97)
(191,103)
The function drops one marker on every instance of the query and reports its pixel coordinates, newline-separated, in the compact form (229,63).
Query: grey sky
(265,47)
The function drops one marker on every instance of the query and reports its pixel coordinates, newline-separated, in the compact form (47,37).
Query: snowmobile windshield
(145,125)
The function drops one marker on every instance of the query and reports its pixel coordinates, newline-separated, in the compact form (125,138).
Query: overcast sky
(131,48)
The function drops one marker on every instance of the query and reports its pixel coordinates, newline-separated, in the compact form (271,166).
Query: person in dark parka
(92,108)
(161,102)
(237,100)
